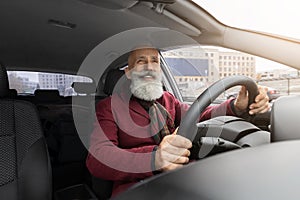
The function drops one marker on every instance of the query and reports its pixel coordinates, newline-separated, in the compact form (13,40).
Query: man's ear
(127,72)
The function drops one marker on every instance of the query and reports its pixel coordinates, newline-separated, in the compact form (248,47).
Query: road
(286,86)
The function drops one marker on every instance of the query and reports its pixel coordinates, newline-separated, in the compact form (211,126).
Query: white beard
(146,90)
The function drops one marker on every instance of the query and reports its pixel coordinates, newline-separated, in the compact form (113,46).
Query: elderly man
(135,135)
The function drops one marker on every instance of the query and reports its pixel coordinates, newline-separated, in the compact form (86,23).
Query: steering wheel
(188,126)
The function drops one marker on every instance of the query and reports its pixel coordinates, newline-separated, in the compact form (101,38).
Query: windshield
(196,68)
(271,16)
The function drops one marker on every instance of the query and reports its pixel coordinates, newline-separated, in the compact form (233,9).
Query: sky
(272,16)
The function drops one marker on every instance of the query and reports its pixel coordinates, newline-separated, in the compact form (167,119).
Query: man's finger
(179,141)
(261,103)
(174,158)
(175,150)
(260,109)
(262,94)
(243,91)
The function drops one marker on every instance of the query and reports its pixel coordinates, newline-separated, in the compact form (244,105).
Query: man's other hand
(260,105)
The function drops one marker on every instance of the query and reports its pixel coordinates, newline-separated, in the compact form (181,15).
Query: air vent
(61,24)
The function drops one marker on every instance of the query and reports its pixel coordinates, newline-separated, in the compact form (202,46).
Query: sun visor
(111,4)
(158,13)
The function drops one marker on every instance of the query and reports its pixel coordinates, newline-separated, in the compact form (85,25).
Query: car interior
(43,149)
(25,164)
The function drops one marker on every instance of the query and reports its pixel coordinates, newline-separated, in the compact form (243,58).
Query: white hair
(146,90)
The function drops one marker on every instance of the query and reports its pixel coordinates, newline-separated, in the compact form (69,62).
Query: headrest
(84,87)
(112,77)
(42,96)
(12,93)
(4,86)
(285,115)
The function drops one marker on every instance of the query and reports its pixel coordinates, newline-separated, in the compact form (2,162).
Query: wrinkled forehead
(144,53)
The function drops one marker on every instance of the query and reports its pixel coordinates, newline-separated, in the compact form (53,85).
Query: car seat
(25,170)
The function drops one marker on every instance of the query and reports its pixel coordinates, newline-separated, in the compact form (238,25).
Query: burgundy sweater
(120,145)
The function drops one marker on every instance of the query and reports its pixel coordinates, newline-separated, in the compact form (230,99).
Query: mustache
(142,74)
(145,73)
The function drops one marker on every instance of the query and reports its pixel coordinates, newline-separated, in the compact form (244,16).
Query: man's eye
(140,61)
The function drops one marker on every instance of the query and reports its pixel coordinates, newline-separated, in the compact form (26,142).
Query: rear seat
(12,93)
(47,97)
(67,152)
(66,149)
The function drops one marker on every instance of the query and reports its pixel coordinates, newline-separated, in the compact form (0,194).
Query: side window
(190,68)
(28,82)
(196,68)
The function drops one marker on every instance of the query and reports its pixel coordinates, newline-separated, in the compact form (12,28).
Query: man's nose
(149,66)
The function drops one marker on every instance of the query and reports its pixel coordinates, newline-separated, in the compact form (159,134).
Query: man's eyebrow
(145,57)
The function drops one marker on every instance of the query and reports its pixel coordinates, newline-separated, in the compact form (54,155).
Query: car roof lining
(40,41)
(33,44)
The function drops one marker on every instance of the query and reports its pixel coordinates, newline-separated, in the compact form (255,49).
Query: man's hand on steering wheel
(260,105)
(172,152)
